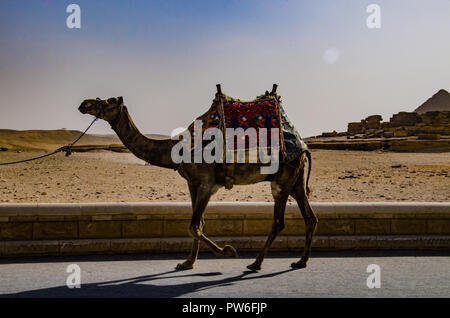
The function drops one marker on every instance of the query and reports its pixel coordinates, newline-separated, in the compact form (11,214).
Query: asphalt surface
(337,274)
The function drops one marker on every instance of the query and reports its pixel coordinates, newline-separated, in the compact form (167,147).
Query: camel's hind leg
(277,226)
(299,193)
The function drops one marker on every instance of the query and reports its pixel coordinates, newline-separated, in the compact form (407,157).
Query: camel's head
(108,109)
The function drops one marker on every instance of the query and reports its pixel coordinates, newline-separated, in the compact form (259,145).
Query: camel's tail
(308,189)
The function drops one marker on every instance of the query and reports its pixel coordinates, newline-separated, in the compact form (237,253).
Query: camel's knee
(277,227)
(195,232)
(313,218)
(311,221)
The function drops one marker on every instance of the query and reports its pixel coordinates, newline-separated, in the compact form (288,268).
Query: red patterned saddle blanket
(255,125)
(262,115)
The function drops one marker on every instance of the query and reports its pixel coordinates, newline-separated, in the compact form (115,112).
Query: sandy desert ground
(105,176)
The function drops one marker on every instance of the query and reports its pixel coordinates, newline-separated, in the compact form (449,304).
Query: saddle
(263,115)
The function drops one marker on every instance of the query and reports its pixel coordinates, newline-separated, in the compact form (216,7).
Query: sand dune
(52,139)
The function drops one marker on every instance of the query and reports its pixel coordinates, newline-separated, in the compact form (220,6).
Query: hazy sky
(165,57)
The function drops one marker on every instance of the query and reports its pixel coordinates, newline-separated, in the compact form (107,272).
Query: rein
(67,149)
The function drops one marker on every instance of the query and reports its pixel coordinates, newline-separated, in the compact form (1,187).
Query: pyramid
(438,102)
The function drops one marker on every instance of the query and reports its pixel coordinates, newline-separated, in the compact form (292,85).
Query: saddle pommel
(274,89)
(219,89)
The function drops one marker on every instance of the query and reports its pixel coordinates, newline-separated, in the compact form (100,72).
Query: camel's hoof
(229,251)
(184,266)
(254,267)
(298,264)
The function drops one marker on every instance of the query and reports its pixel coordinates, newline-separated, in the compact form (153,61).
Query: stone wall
(67,229)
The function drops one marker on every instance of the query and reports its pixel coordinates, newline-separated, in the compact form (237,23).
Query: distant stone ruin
(429,125)
(428,121)
(427,129)
(370,127)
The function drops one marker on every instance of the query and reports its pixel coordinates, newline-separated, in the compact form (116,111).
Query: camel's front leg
(196,230)
(203,194)
(189,263)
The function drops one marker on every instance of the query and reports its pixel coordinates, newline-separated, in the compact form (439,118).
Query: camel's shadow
(139,287)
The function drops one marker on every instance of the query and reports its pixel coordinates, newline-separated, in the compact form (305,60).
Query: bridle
(115,121)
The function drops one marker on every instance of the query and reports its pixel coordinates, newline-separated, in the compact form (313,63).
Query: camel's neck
(157,152)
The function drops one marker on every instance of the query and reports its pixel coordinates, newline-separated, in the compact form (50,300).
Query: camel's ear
(120,100)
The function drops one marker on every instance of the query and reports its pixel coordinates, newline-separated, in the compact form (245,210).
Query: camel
(205,179)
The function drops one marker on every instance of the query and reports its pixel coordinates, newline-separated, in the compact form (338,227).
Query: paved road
(405,274)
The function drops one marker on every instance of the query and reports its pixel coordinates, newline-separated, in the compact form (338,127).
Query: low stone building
(428,121)
(368,125)
(405,119)
(356,128)
(403,124)
(373,122)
